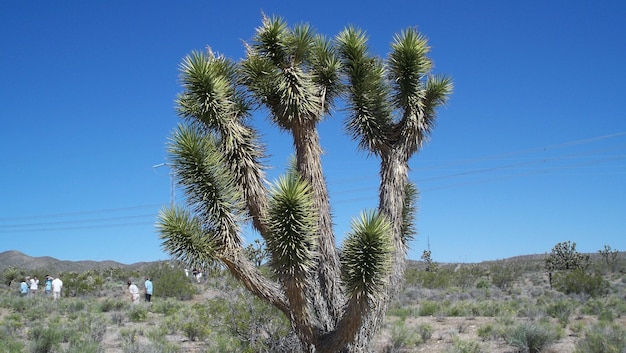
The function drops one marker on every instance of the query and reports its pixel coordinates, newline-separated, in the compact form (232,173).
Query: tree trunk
(326,293)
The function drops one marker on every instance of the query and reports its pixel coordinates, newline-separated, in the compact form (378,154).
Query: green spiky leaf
(366,258)
(292,221)
(184,239)
(208,184)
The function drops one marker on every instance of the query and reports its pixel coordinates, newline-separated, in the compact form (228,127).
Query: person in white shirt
(57,285)
(34,285)
(134,292)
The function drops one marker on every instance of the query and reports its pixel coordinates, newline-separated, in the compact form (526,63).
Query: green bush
(487,332)
(402,337)
(529,337)
(138,313)
(603,339)
(8,342)
(74,284)
(425,331)
(109,304)
(166,307)
(461,346)
(428,308)
(561,310)
(258,326)
(503,276)
(45,340)
(170,282)
(580,282)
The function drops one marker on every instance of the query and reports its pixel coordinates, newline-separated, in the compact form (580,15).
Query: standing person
(48,285)
(57,285)
(34,285)
(134,292)
(24,288)
(148,286)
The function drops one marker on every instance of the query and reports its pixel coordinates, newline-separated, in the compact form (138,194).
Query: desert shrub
(593,306)
(503,276)
(483,284)
(617,304)
(459,309)
(580,282)
(110,304)
(561,310)
(170,282)
(89,282)
(598,308)
(602,338)
(430,280)
(191,321)
(166,307)
(12,274)
(425,331)
(119,274)
(403,337)
(44,339)
(428,308)
(160,344)
(258,326)
(11,323)
(8,341)
(138,313)
(129,335)
(529,337)
(488,308)
(461,346)
(95,326)
(466,276)
(401,312)
(195,329)
(85,346)
(487,332)
(117,318)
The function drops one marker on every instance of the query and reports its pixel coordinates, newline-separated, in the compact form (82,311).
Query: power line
(488,174)
(80,213)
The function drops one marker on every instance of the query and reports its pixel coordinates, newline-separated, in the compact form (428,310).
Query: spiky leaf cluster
(392,101)
(367,256)
(184,239)
(292,222)
(292,71)
(207,183)
(210,92)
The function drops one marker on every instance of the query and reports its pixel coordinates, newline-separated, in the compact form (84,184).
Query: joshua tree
(335,302)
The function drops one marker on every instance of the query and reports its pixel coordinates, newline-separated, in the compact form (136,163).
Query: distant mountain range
(13,258)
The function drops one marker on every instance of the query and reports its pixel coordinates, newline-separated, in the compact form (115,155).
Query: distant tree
(11,274)
(564,257)
(431,266)
(334,303)
(610,257)
(257,252)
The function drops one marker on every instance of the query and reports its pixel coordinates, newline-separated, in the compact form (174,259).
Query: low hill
(13,258)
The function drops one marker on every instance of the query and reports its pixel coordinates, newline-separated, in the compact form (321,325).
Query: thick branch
(243,270)
(308,152)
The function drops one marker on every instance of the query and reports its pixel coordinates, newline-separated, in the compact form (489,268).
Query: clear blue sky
(530,151)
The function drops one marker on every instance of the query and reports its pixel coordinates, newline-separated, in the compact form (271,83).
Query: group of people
(134,291)
(30,286)
(197,274)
